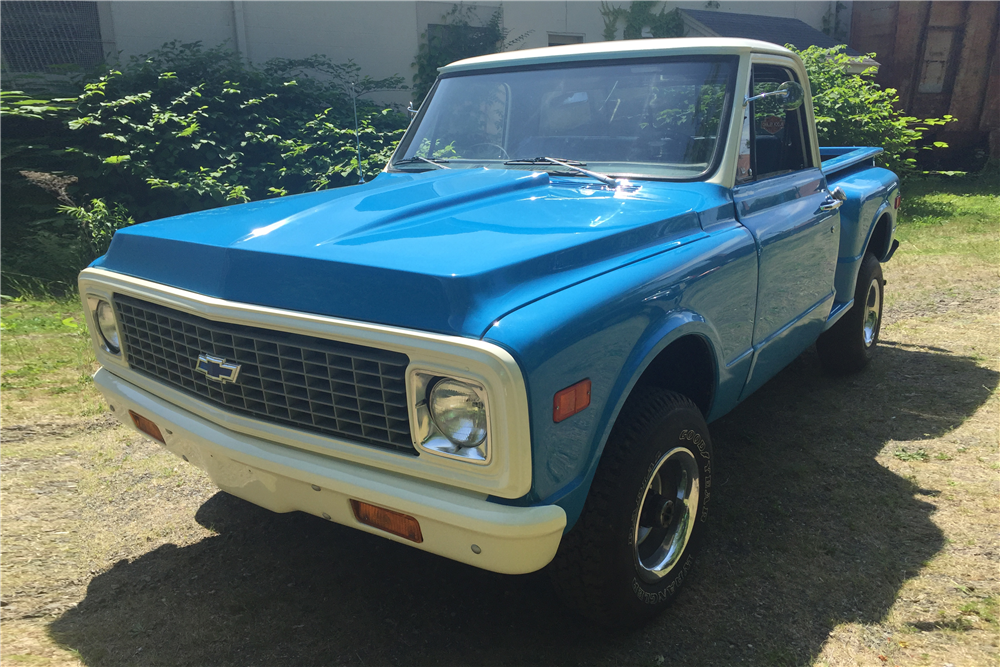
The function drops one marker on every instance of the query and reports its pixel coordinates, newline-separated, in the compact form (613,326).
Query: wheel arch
(661,351)
(880,236)
(877,240)
(655,357)
(658,356)
(685,365)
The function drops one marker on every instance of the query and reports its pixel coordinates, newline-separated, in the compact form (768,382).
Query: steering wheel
(652,140)
(484,155)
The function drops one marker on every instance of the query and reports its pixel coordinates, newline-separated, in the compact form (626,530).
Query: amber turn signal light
(147,427)
(571,400)
(403,525)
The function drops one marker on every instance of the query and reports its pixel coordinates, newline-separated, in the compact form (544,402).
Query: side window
(774,140)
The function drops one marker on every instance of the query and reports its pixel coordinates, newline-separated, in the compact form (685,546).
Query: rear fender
(871,193)
(881,248)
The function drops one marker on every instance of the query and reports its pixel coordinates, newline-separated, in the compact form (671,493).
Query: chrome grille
(339,389)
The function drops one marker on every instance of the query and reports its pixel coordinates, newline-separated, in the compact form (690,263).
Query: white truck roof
(633,48)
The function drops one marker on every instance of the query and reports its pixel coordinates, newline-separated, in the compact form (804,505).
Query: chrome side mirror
(791,92)
(794,95)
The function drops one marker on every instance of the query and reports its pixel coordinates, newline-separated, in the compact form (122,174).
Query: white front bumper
(511,540)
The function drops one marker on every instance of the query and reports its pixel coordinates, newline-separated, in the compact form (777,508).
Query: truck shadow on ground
(808,531)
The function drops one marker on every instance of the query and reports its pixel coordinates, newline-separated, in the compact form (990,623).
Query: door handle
(834,201)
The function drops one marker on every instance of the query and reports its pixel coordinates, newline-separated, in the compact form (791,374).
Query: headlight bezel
(428,437)
(100,337)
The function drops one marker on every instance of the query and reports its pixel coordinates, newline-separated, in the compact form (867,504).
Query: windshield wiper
(545,160)
(437,162)
(569,164)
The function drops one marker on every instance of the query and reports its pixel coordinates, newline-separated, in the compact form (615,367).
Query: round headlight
(109,328)
(458,412)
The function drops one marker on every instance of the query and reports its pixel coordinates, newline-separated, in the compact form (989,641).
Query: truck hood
(447,251)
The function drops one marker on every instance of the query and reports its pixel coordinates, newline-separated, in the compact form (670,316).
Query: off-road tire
(844,348)
(597,570)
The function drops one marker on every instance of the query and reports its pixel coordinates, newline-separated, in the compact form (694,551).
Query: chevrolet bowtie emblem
(217,368)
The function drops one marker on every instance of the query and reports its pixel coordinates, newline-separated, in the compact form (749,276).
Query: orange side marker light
(397,523)
(147,427)
(571,400)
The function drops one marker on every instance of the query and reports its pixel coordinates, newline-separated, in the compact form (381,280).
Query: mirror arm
(748,100)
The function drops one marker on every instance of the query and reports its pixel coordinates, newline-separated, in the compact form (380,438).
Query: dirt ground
(855,523)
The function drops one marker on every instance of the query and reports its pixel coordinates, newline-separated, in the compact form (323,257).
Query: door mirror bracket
(791,92)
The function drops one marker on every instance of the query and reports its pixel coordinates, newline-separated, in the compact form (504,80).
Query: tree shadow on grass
(808,531)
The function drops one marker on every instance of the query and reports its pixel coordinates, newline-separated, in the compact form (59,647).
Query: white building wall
(572,18)
(381,37)
(140,27)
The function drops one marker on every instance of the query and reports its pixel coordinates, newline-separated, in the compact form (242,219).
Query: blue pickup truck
(506,348)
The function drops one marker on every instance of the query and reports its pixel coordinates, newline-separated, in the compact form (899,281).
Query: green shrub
(853,110)
(178,130)
(98,223)
(640,15)
(207,129)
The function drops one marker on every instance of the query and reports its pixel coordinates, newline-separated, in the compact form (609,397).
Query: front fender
(609,329)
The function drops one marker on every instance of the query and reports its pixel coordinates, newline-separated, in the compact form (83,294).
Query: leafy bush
(178,130)
(37,241)
(98,223)
(640,15)
(853,110)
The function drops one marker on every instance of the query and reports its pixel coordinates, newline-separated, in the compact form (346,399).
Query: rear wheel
(850,343)
(635,542)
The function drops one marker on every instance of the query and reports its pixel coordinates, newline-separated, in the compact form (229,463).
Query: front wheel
(849,344)
(635,542)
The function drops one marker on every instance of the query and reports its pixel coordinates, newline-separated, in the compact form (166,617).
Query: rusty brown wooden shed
(943,58)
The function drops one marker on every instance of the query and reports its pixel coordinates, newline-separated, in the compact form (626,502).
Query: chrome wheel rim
(666,516)
(872,311)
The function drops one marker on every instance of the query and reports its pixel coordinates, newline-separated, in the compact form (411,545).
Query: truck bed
(839,158)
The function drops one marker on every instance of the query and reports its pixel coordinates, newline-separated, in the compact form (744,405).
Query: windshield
(650,118)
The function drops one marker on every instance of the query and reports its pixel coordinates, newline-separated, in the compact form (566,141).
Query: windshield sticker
(773,124)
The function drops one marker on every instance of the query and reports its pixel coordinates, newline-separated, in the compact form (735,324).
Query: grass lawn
(855,520)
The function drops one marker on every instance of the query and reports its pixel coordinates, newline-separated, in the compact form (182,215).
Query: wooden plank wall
(899,33)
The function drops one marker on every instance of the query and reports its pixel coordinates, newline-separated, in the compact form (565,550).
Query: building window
(462,40)
(39,35)
(558,39)
(937,52)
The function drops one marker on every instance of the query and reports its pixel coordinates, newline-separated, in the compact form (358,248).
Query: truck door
(782,198)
